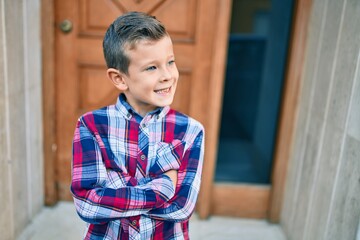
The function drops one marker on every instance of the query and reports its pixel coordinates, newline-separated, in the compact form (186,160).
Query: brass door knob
(66,26)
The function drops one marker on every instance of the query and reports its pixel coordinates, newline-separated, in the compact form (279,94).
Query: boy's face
(152,75)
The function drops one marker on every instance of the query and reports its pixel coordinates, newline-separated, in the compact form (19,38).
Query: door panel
(95,16)
(92,94)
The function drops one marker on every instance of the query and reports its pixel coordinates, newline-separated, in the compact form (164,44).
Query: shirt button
(134,222)
(142,157)
(143,125)
(128,115)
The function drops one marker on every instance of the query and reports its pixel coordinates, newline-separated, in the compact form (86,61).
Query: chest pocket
(168,156)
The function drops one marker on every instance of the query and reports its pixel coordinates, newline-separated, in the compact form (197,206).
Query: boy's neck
(129,107)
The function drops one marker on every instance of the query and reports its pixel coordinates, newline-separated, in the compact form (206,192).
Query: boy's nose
(166,75)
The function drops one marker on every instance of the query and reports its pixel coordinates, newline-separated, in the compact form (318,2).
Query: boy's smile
(163,91)
(152,75)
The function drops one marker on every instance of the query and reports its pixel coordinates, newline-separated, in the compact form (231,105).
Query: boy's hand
(168,157)
(173,175)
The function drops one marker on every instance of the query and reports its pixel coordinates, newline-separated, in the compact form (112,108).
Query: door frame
(48,97)
(287,119)
(289,105)
(267,199)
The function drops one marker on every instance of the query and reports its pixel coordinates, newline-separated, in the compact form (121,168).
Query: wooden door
(199,32)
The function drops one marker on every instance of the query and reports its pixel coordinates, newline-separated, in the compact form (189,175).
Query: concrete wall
(21,157)
(322,198)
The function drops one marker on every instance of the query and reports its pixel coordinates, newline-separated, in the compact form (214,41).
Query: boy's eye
(151,68)
(171,62)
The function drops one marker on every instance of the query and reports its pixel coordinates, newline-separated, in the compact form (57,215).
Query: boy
(137,164)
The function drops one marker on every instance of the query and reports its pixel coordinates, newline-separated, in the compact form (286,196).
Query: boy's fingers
(172,174)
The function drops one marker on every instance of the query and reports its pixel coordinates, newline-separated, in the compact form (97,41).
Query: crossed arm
(153,196)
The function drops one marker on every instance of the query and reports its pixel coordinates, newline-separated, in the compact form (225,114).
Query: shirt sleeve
(97,203)
(182,205)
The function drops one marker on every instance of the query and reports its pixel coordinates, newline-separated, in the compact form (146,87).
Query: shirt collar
(128,111)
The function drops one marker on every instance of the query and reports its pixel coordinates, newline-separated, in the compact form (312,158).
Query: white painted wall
(21,154)
(322,198)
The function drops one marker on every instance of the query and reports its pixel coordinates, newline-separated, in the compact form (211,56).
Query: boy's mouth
(163,91)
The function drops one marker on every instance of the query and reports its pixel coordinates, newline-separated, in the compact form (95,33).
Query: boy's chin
(165,102)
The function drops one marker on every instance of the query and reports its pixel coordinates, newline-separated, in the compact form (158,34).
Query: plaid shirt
(119,159)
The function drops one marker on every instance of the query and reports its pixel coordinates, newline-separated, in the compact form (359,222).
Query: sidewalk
(62,223)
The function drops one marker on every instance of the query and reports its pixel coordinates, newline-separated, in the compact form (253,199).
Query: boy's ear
(117,78)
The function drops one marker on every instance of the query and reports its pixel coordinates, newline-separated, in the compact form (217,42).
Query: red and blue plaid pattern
(118,184)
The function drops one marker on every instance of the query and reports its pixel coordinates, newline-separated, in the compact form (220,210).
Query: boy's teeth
(163,90)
